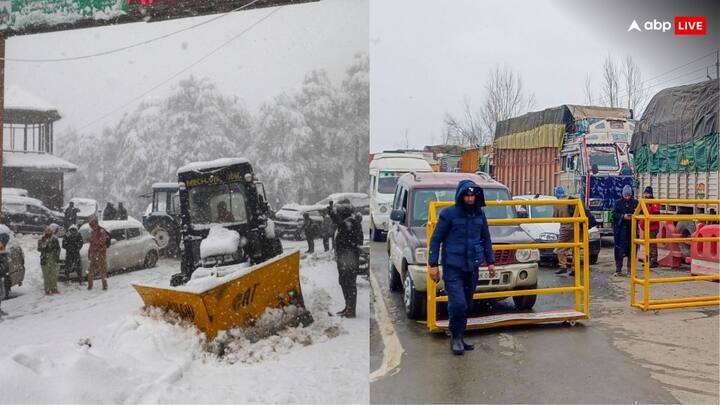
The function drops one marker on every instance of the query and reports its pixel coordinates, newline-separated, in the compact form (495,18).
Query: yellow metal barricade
(642,214)
(581,281)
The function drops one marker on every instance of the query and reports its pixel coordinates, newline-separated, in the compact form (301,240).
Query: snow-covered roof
(113,225)
(20,99)
(35,160)
(338,196)
(196,166)
(14,191)
(303,208)
(16,199)
(83,201)
(165,185)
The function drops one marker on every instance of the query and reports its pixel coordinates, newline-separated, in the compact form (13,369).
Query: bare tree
(505,98)
(465,130)
(589,98)
(610,82)
(632,78)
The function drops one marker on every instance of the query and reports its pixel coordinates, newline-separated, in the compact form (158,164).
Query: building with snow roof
(28,146)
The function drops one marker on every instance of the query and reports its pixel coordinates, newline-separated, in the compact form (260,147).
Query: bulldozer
(232,265)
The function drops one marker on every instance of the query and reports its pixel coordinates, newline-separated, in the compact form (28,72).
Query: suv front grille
(504,257)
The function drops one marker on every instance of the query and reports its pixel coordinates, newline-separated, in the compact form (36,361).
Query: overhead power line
(180,72)
(125,48)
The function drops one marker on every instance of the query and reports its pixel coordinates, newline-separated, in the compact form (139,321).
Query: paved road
(531,364)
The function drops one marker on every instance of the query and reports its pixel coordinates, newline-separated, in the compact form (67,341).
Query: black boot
(456,344)
(466,345)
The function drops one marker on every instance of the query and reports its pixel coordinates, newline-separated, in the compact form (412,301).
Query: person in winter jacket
(348,239)
(72,243)
(121,212)
(49,249)
(566,232)
(109,213)
(70,215)
(463,233)
(97,253)
(4,267)
(653,209)
(308,228)
(327,230)
(622,228)
(223,214)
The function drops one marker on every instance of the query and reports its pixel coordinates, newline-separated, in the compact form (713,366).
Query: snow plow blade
(215,303)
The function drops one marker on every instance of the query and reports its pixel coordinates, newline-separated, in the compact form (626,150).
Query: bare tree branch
(610,82)
(588,90)
(632,77)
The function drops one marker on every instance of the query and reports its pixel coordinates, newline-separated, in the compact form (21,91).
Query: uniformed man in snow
(348,240)
(70,215)
(308,228)
(109,213)
(121,212)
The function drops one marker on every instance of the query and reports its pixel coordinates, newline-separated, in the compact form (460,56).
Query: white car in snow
(131,246)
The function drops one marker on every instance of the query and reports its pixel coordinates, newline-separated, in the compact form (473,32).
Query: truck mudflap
(230,298)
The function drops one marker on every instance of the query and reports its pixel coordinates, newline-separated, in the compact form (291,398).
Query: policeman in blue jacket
(463,232)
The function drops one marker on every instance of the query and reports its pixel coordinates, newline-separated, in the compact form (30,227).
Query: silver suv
(407,240)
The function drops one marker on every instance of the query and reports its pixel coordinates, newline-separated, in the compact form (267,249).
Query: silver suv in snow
(407,240)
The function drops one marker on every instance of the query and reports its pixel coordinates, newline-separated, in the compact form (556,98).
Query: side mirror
(397,215)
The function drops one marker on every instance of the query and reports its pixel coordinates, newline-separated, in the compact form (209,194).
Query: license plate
(485,275)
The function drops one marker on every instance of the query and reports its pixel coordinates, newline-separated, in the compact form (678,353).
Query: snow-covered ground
(99,346)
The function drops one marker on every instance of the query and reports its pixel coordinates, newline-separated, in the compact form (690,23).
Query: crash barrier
(705,259)
(641,214)
(668,254)
(582,274)
(240,301)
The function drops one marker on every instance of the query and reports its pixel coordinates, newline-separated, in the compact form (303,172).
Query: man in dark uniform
(121,212)
(70,215)
(348,239)
(109,213)
(622,228)
(463,233)
(308,228)
(328,229)
(72,243)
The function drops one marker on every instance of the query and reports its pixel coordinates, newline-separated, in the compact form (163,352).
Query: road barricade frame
(581,280)
(642,214)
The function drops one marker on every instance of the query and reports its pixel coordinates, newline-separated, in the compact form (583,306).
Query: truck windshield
(605,157)
(386,184)
(220,204)
(423,197)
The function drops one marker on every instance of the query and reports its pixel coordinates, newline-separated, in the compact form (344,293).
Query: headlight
(421,255)
(527,255)
(548,237)
(383,209)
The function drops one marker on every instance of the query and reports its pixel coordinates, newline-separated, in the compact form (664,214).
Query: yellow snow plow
(222,300)
(232,264)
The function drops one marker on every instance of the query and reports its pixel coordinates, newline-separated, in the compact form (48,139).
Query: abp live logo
(685,25)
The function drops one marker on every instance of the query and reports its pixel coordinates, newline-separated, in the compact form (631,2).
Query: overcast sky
(426,56)
(271,58)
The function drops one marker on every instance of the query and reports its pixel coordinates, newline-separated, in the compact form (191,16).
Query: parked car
(28,215)
(360,201)
(547,233)
(16,259)
(87,208)
(131,246)
(407,240)
(289,219)
(14,191)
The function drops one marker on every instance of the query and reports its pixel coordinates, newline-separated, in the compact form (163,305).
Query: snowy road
(137,357)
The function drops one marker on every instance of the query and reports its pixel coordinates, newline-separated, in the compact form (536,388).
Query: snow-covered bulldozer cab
(228,240)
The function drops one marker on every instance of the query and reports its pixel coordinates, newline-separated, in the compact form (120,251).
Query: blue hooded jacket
(463,233)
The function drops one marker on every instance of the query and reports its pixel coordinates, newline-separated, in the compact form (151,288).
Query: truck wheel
(525,301)
(271,248)
(151,259)
(394,282)
(412,299)
(165,235)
